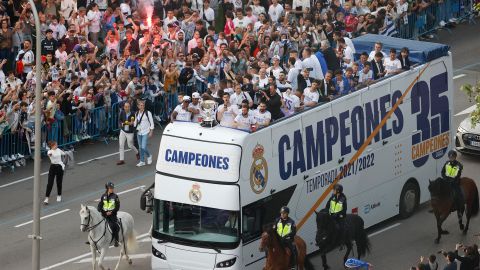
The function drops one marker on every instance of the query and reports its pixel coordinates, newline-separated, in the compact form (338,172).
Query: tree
(473,94)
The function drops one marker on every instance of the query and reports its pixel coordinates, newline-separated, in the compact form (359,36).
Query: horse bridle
(87,227)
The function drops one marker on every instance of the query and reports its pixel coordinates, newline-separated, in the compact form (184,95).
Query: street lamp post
(38,136)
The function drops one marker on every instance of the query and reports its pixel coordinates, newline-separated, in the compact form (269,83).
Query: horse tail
(132,244)
(362,241)
(475,203)
(308,264)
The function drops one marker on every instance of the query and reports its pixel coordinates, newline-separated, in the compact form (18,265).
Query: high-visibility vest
(109,205)
(451,171)
(284,230)
(335,207)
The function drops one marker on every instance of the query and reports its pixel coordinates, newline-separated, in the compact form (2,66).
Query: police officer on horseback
(109,205)
(286,229)
(337,207)
(451,172)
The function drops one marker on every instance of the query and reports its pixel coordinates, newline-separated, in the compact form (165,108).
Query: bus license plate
(477,144)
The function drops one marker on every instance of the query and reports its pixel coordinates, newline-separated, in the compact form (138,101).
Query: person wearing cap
(286,229)
(109,205)
(194,106)
(337,207)
(182,112)
(451,172)
(275,69)
(49,44)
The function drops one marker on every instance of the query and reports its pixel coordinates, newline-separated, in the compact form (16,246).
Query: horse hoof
(444,232)
(130,262)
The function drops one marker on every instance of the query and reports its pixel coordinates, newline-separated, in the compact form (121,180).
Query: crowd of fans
(463,258)
(258,59)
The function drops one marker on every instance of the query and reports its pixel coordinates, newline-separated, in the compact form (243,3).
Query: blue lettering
(344,132)
(358,127)
(204,160)
(315,146)
(212,161)
(197,159)
(386,132)
(225,163)
(167,153)
(191,157)
(183,157)
(174,156)
(285,168)
(298,155)
(331,125)
(372,118)
(397,124)
(219,164)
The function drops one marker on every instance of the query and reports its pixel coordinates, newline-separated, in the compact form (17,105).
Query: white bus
(217,187)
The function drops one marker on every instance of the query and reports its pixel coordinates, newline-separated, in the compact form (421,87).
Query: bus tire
(409,199)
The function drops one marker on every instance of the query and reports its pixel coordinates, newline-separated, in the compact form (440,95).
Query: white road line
(80,257)
(459,76)
(101,157)
(44,217)
(45,173)
(384,229)
(115,258)
(467,110)
(125,191)
(20,180)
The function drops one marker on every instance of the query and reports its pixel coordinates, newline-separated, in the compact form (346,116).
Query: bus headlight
(158,254)
(226,263)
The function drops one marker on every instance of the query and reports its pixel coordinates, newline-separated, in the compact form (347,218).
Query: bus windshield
(196,225)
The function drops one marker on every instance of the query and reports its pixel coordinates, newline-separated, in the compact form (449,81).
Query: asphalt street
(396,243)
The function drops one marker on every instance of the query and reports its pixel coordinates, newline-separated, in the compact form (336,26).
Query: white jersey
(309,96)
(238,98)
(244,123)
(291,102)
(228,118)
(182,114)
(262,119)
(196,107)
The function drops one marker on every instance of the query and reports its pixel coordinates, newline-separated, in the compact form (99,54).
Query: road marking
(115,258)
(45,173)
(459,76)
(384,229)
(80,257)
(20,180)
(125,191)
(101,157)
(44,217)
(467,110)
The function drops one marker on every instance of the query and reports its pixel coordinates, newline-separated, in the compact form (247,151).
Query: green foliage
(473,94)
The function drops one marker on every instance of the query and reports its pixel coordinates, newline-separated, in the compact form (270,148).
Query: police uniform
(451,172)
(287,230)
(337,208)
(110,202)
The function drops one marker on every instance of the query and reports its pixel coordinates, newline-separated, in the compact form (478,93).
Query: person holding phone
(56,170)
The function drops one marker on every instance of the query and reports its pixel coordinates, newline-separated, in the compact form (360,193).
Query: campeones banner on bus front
(429,105)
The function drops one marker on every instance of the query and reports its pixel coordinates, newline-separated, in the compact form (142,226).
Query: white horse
(100,235)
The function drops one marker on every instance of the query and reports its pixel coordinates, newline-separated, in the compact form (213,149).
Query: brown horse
(278,256)
(443,202)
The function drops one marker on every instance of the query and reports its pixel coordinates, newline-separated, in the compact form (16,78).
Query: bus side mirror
(143,202)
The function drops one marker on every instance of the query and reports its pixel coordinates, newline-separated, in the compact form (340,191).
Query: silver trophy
(208,111)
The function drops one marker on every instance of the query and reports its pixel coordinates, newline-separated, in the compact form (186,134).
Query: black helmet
(338,188)
(285,209)
(109,185)
(452,153)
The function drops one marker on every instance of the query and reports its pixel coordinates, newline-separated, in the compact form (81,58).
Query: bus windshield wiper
(209,245)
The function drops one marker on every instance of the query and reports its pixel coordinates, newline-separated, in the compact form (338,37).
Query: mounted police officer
(337,207)
(109,205)
(451,172)
(286,229)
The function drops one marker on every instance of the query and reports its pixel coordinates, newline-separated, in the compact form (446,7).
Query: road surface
(396,244)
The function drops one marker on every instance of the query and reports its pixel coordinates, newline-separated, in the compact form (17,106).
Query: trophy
(208,110)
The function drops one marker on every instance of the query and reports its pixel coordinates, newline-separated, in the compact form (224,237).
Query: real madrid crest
(195,194)
(258,170)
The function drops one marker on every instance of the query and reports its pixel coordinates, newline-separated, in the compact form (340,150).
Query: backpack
(185,75)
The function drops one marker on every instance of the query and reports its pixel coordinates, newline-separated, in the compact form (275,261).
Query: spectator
(311,62)
(451,263)
(304,79)
(377,48)
(342,86)
(127,120)
(311,95)
(467,261)
(273,101)
(404,60)
(377,66)
(57,168)
(366,75)
(326,87)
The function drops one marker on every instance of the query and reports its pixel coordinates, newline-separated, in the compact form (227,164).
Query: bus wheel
(409,199)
